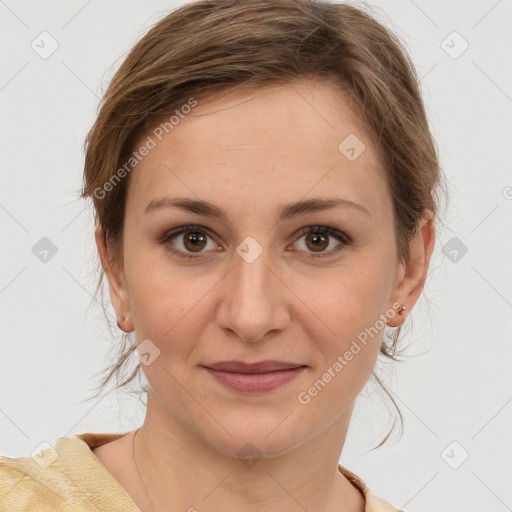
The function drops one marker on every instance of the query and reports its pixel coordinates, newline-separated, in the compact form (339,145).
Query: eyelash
(345,240)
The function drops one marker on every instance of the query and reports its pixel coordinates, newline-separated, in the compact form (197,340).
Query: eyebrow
(286,212)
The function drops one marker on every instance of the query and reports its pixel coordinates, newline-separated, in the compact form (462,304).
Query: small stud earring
(123,318)
(402,310)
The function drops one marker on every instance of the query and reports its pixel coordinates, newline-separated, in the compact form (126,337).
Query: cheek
(169,305)
(347,326)
(347,301)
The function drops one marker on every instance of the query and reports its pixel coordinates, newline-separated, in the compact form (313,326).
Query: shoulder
(21,490)
(64,478)
(372,503)
(376,504)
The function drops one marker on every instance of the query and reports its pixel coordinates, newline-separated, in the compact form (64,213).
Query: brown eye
(317,241)
(319,238)
(194,241)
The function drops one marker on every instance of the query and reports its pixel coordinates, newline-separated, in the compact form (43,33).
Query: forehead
(254,146)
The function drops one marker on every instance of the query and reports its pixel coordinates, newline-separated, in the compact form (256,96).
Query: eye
(195,239)
(318,239)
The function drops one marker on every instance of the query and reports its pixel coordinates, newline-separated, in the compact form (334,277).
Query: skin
(248,152)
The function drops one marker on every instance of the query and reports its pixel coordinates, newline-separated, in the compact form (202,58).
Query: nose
(253,298)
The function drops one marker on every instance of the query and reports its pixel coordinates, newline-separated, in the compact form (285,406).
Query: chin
(256,438)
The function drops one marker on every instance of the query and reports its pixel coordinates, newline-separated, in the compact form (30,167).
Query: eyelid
(344,239)
(171,233)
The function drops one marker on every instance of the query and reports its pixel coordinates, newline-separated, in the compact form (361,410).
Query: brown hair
(205,47)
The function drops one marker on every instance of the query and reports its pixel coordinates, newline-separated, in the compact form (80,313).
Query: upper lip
(260,367)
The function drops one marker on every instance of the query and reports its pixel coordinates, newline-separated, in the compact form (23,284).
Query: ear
(117,287)
(411,277)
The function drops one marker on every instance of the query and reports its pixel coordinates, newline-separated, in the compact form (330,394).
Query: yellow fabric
(77,480)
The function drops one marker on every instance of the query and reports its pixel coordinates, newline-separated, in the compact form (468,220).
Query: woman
(264,182)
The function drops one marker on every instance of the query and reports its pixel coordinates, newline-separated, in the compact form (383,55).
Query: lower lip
(255,382)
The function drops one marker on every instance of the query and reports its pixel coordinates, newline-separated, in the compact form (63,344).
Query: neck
(179,468)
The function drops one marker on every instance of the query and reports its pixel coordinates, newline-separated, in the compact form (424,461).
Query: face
(266,281)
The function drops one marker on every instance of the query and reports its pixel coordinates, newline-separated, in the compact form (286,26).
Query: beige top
(71,477)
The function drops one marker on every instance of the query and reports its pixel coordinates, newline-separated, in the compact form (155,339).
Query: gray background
(456,389)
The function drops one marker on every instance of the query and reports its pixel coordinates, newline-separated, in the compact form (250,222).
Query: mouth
(254,377)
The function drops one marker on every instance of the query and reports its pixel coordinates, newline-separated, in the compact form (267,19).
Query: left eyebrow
(286,212)
(291,210)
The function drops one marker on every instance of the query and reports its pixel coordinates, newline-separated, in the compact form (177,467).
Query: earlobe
(124,320)
(115,276)
(415,272)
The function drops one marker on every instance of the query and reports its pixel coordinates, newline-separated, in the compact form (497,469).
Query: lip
(254,377)
(259,367)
